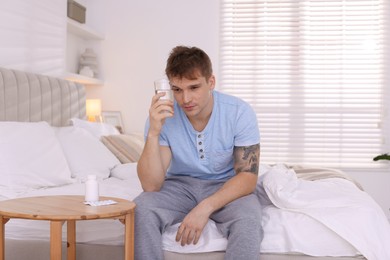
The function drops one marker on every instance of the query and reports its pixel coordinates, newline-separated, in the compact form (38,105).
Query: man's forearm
(150,167)
(240,185)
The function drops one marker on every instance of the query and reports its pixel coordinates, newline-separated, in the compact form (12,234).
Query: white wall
(138,38)
(33,35)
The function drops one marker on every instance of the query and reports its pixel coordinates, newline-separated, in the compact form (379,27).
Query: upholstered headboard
(29,97)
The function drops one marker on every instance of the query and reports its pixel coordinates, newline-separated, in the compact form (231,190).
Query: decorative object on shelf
(86,71)
(113,118)
(76,11)
(94,110)
(384,156)
(88,59)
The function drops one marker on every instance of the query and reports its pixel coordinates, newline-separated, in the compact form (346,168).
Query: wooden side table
(69,209)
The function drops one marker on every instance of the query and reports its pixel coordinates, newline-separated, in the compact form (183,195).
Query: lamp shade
(94,108)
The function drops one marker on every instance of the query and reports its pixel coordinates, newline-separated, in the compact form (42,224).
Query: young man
(200,162)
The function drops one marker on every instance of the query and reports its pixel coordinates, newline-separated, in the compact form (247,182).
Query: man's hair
(188,62)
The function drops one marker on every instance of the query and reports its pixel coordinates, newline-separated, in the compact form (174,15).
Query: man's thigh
(247,207)
(174,199)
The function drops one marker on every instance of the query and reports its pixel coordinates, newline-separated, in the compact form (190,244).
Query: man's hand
(159,110)
(192,226)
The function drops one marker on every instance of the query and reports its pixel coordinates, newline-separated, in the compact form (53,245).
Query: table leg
(129,236)
(56,239)
(71,235)
(3,221)
(2,236)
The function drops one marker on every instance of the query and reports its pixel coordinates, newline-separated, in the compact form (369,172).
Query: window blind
(314,72)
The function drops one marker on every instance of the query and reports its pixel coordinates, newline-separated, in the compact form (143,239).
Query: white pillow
(85,154)
(125,171)
(95,128)
(31,157)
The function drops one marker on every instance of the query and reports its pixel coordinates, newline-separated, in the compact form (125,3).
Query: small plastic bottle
(91,189)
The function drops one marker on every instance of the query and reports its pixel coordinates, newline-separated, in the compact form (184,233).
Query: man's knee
(247,207)
(247,225)
(145,206)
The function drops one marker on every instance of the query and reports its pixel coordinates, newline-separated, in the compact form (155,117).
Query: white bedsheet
(285,230)
(336,203)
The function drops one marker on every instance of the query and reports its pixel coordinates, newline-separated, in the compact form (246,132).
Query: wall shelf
(82,79)
(80,37)
(83,30)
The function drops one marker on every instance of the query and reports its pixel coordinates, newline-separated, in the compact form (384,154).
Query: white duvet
(337,204)
(328,217)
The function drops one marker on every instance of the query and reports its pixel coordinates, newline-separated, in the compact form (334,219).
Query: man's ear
(211,82)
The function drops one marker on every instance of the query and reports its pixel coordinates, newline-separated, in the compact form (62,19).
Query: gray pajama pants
(239,221)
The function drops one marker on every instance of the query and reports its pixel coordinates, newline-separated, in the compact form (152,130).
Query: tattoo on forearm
(247,158)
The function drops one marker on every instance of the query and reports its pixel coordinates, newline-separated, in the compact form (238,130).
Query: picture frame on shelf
(113,118)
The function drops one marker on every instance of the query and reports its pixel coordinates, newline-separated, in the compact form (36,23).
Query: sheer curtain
(314,71)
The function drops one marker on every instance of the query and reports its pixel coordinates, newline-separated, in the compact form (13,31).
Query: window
(314,73)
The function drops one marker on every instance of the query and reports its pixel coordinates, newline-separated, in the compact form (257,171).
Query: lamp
(94,109)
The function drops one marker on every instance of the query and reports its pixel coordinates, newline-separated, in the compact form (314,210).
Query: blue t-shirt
(209,154)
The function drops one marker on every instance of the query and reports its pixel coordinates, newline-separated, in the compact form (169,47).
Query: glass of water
(162,85)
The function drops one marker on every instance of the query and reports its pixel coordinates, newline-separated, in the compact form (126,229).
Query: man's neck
(200,124)
(200,121)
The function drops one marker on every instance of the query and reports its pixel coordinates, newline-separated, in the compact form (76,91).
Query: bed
(48,148)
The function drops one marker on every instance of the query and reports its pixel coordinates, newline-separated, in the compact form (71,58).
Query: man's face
(194,96)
